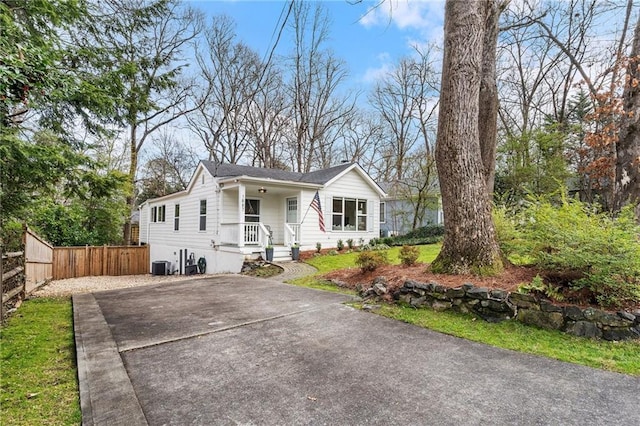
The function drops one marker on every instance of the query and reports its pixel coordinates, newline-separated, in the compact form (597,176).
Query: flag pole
(307,212)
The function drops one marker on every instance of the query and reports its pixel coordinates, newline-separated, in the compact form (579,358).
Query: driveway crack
(217,330)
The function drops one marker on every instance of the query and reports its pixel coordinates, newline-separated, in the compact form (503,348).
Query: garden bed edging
(500,305)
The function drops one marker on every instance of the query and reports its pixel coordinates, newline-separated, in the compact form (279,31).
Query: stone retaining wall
(500,305)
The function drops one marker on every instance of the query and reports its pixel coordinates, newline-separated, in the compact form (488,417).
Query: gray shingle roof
(319,177)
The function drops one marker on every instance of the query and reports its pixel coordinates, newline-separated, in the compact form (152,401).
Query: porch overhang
(235,181)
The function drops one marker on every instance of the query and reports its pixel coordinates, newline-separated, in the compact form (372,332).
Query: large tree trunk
(627,186)
(469,243)
(488,116)
(131,196)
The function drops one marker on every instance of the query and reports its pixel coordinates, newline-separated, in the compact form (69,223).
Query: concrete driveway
(236,350)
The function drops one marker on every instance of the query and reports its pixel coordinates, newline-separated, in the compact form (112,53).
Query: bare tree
(469,243)
(420,186)
(168,169)
(395,98)
(268,121)
(318,110)
(230,71)
(362,141)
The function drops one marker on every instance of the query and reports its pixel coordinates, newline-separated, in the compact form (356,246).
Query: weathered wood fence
(71,262)
(22,272)
(38,261)
(12,279)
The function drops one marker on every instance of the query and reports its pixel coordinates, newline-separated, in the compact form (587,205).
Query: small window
(154,214)
(176,218)
(251,210)
(161,213)
(203,215)
(383,212)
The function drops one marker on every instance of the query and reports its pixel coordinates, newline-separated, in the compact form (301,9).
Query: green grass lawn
(38,384)
(622,357)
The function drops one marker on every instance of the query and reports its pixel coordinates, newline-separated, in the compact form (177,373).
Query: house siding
(166,243)
(222,208)
(350,185)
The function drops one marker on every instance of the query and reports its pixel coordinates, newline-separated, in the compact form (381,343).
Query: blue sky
(370,40)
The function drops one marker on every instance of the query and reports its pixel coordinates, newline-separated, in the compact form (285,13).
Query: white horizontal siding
(351,185)
(163,233)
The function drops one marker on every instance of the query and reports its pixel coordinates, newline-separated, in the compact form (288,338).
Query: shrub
(379,247)
(408,255)
(333,252)
(581,249)
(371,260)
(318,247)
(350,243)
(425,235)
(388,241)
(426,231)
(340,245)
(506,233)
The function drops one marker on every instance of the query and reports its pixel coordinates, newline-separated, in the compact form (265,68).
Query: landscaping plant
(409,255)
(370,260)
(588,256)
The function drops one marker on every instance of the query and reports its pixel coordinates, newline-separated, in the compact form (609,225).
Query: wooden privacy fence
(38,261)
(71,262)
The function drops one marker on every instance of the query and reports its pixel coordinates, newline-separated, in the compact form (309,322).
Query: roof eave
(253,179)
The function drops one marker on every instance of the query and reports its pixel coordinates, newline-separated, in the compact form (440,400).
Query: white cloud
(372,75)
(405,14)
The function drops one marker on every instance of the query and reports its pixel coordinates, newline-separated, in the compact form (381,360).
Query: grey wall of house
(399,218)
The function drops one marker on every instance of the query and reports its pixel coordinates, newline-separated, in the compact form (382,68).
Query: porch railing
(244,234)
(291,234)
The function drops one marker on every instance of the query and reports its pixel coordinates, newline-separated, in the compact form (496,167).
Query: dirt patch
(396,275)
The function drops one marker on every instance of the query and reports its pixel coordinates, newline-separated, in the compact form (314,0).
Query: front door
(292,210)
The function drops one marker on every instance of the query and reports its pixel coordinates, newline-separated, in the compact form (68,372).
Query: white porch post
(241,195)
(301,210)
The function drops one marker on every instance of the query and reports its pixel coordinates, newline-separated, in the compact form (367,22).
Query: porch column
(241,195)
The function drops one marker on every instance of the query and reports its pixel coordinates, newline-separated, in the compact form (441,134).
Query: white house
(229,213)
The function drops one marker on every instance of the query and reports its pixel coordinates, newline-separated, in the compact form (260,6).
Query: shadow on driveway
(239,350)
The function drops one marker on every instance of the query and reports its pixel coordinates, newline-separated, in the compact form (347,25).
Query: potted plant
(269,252)
(295,251)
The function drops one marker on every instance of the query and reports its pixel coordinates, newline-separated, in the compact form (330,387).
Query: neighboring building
(227,213)
(399,212)
(135,228)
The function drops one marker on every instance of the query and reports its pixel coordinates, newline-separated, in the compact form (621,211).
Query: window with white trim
(348,214)
(383,212)
(158,213)
(203,215)
(251,210)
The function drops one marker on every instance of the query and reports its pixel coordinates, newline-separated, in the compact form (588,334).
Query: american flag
(315,203)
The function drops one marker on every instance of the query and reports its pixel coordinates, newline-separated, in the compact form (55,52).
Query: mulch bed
(396,275)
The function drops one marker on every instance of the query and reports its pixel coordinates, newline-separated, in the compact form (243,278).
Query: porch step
(281,253)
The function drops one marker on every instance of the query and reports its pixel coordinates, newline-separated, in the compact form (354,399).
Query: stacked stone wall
(499,305)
